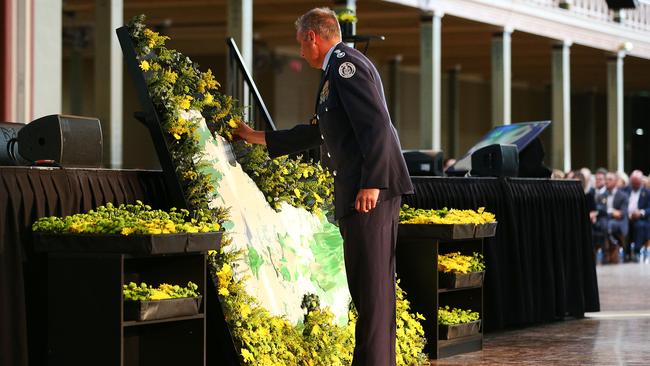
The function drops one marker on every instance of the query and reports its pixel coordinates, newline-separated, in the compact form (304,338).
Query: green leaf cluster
(135,292)
(458,263)
(447,316)
(135,218)
(284,179)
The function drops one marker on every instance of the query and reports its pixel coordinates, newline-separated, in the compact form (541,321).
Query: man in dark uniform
(361,148)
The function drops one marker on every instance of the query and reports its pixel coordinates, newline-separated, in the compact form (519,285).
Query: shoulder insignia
(347,70)
(340,54)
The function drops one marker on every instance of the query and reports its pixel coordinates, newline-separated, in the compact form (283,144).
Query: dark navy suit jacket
(358,142)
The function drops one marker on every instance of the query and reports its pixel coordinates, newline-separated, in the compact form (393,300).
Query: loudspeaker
(8,148)
(531,161)
(495,160)
(622,4)
(424,162)
(70,141)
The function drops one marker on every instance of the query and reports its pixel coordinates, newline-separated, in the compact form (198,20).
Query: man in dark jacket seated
(638,213)
(612,219)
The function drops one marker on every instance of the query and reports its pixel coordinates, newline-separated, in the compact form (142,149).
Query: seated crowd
(619,209)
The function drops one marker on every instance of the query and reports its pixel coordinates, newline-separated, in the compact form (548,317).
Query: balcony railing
(638,19)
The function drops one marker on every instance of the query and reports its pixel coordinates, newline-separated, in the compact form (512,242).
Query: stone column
(615,155)
(109,15)
(430,80)
(501,77)
(561,99)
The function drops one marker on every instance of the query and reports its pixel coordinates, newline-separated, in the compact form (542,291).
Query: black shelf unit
(86,322)
(416,261)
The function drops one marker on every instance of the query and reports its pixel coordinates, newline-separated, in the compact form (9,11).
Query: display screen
(519,134)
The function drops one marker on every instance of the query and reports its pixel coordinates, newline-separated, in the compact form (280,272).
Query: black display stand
(418,247)
(87,323)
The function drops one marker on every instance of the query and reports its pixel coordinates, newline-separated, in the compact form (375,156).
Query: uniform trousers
(369,249)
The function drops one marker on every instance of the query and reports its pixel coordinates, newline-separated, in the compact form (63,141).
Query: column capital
(427,16)
(562,43)
(506,30)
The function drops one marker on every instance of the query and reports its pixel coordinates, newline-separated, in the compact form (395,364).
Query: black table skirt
(540,264)
(25,195)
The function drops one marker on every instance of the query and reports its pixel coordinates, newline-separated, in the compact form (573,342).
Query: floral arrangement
(264,339)
(283,179)
(458,263)
(346,16)
(410,215)
(447,316)
(135,292)
(133,219)
(176,85)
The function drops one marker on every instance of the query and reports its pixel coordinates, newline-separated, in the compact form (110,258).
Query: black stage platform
(540,264)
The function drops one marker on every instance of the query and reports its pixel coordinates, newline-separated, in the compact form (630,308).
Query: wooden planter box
(459,330)
(486,230)
(161,309)
(437,231)
(460,280)
(131,244)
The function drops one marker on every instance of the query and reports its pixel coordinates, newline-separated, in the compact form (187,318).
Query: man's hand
(593,215)
(249,135)
(366,199)
(616,214)
(635,215)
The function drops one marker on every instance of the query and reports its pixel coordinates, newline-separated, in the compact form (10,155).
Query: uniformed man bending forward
(361,148)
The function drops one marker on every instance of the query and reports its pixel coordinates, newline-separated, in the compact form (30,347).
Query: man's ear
(311,35)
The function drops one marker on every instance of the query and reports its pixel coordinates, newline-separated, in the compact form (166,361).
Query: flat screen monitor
(519,134)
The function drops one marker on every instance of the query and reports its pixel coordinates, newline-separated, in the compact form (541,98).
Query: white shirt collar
(327,57)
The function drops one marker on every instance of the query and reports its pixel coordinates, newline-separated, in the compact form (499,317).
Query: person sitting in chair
(612,217)
(638,213)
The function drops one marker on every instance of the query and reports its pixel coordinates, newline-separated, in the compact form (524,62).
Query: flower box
(459,280)
(161,309)
(458,330)
(130,244)
(437,231)
(486,230)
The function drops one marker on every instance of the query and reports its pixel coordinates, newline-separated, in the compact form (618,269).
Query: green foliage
(410,343)
(283,179)
(453,316)
(458,263)
(133,219)
(477,263)
(135,292)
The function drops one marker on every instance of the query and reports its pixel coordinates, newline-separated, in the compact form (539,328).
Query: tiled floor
(618,335)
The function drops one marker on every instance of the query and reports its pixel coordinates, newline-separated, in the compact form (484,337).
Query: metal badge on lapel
(324,92)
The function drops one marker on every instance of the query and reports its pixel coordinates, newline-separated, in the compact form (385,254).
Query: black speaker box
(70,141)
(622,4)
(495,161)
(8,147)
(424,162)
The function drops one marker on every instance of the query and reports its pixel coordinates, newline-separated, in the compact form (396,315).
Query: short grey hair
(322,21)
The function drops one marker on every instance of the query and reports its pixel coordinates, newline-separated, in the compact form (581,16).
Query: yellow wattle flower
(144,65)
